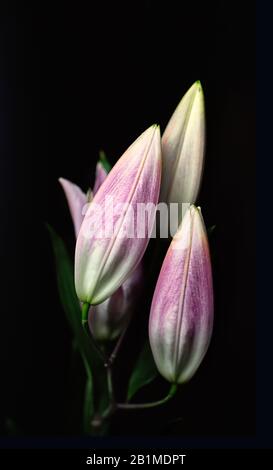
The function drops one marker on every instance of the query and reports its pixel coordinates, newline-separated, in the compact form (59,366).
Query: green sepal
(104,161)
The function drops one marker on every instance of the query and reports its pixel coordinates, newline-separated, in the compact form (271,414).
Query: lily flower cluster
(109,272)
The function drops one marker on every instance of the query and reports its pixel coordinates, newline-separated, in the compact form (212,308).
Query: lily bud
(108,319)
(104,261)
(181,316)
(77,199)
(101,175)
(183,144)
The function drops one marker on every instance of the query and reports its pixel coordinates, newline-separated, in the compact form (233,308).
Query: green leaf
(144,372)
(65,282)
(96,386)
(104,161)
(69,300)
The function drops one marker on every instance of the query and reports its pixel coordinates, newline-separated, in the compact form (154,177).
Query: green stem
(117,347)
(110,385)
(108,412)
(85,310)
(142,406)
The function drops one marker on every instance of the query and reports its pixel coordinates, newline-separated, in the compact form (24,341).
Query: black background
(75,79)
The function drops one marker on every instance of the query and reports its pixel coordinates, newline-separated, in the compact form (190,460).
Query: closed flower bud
(101,175)
(77,199)
(108,319)
(183,144)
(181,317)
(104,259)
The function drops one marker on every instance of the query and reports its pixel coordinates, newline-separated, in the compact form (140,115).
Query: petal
(76,200)
(181,316)
(102,261)
(183,144)
(107,319)
(101,175)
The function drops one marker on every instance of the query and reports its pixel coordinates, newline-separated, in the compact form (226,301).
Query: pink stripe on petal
(181,315)
(103,263)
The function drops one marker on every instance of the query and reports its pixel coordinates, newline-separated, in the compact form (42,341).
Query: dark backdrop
(75,79)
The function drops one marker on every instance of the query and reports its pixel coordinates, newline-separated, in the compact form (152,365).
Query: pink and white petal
(76,200)
(101,175)
(181,315)
(103,263)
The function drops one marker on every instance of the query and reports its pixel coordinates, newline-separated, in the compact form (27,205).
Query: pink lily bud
(77,199)
(183,145)
(107,320)
(106,257)
(101,175)
(181,316)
